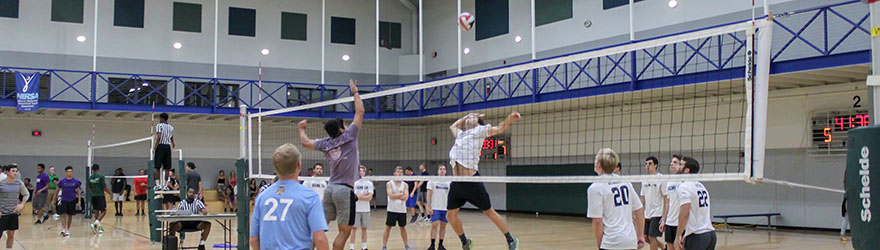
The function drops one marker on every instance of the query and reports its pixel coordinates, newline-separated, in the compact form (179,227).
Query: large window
(492,18)
(8,89)
(9,8)
(242,22)
(293,26)
(204,95)
(608,4)
(187,17)
(389,35)
(69,11)
(131,91)
(297,96)
(128,13)
(550,11)
(342,30)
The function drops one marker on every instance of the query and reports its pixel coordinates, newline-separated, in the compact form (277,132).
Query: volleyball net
(701,94)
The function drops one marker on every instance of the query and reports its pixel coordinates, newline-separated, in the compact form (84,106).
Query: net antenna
(734,151)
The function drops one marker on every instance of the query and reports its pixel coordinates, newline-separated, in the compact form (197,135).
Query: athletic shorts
(39,200)
(398,219)
(162,157)
(66,207)
(169,198)
(118,197)
(423,196)
(140,197)
(439,215)
(99,203)
(703,241)
(362,219)
(411,202)
(473,192)
(652,227)
(190,225)
(9,222)
(339,203)
(670,233)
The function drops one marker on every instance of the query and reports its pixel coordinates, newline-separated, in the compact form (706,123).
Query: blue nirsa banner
(27,87)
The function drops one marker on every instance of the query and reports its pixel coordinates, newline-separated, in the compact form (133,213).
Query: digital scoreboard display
(830,129)
(496,148)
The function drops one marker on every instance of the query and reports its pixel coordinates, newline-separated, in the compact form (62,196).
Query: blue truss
(804,35)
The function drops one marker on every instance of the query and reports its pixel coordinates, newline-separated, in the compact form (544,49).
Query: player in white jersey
(397,194)
(469,132)
(438,191)
(652,197)
(669,221)
(612,206)
(317,185)
(364,190)
(694,218)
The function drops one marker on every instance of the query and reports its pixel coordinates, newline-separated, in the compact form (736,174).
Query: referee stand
(156,204)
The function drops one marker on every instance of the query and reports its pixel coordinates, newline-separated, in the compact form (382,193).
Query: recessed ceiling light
(81,38)
(264,52)
(673,3)
(177,45)
(467,51)
(346,57)
(517,39)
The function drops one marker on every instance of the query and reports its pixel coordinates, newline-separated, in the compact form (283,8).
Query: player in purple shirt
(70,196)
(341,151)
(41,193)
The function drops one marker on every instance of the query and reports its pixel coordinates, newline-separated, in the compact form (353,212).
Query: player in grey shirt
(10,189)
(341,151)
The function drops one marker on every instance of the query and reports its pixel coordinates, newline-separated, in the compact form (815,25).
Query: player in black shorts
(11,189)
(469,133)
(162,156)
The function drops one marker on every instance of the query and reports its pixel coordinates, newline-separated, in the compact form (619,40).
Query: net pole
(748,145)
(259,124)
(241,131)
(762,92)
(458,32)
(250,141)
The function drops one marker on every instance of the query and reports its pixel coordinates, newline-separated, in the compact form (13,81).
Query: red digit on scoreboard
(827,133)
(863,120)
(839,121)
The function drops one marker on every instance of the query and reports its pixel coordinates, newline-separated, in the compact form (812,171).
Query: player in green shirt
(52,199)
(97,186)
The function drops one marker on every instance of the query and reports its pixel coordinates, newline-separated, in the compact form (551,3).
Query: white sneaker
(65,233)
(94,227)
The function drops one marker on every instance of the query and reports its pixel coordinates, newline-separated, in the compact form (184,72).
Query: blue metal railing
(823,36)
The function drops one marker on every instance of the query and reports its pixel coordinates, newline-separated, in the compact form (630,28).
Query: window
(9,8)
(128,13)
(301,96)
(131,91)
(8,80)
(609,4)
(227,96)
(342,30)
(550,11)
(389,35)
(242,22)
(293,26)
(187,17)
(493,18)
(68,11)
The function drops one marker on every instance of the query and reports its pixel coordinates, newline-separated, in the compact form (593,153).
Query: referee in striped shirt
(164,143)
(194,206)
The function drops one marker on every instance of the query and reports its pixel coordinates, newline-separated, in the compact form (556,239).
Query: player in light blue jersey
(288,215)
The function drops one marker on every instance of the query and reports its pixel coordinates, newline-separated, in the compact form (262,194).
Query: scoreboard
(829,130)
(496,148)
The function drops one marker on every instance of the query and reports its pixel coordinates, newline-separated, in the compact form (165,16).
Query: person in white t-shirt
(669,221)
(469,132)
(611,207)
(437,199)
(652,197)
(317,185)
(695,231)
(397,195)
(363,189)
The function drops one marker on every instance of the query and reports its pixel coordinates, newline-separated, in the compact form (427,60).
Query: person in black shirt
(173,185)
(411,200)
(117,186)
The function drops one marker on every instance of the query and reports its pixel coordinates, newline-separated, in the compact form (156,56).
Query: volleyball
(466,21)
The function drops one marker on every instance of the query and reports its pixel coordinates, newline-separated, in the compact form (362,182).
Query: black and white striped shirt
(193,207)
(167,131)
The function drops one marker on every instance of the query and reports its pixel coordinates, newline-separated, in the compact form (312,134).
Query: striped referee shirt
(167,131)
(193,207)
